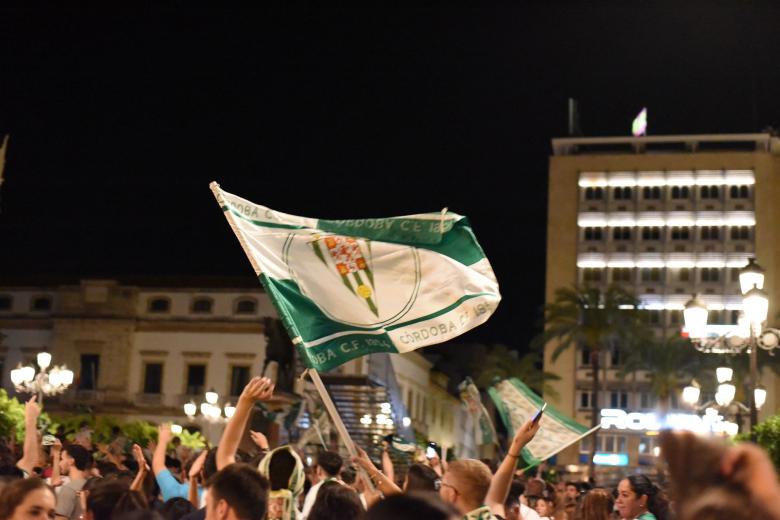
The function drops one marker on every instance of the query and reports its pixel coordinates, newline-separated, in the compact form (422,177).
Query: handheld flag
(516,403)
(639,125)
(347,288)
(483,425)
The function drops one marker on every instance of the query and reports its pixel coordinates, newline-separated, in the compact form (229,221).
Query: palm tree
(502,363)
(594,319)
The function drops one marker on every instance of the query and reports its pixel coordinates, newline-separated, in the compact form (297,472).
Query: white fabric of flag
(347,288)
(516,403)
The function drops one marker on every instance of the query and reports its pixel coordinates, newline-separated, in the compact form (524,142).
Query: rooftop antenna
(574,119)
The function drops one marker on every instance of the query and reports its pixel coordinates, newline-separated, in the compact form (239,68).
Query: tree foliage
(768,437)
(137,432)
(12,418)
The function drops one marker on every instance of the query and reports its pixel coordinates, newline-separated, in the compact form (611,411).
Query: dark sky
(119,121)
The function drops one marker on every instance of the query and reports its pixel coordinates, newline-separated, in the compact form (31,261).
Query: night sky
(119,122)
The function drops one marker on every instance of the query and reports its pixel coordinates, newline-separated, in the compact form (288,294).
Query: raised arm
(380,480)
(56,452)
(30,451)
(502,480)
(164,436)
(387,464)
(143,468)
(195,469)
(258,389)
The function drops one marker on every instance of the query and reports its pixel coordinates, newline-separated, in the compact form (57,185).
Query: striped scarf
(282,502)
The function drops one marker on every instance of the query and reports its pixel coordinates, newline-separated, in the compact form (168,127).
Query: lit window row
(626,193)
(666,178)
(625,233)
(671,218)
(657,274)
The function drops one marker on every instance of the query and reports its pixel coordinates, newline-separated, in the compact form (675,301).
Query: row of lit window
(676,192)
(656,274)
(37,303)
(675,233)
(201,305)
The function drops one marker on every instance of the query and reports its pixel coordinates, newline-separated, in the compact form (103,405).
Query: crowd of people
(166,480)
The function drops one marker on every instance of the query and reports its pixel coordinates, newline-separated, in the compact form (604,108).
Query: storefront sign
(611,459)
(711,421)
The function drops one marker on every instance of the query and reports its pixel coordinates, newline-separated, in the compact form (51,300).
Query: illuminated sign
(710,422)
(611,459)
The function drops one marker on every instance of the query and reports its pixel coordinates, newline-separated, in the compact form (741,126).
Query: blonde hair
(472,477)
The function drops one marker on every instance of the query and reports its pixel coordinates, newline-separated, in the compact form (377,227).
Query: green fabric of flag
(347,288)
(516,403)
(485,432)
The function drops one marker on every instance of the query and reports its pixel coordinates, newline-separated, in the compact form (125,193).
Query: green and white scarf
(282,502)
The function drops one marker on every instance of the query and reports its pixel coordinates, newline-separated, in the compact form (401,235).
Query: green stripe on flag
(337,351)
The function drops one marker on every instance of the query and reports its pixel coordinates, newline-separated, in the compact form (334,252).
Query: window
(622,274)
(654,317)
(651,274)
(740,233)
(647,400)
(735,274)
(239,377)
(681,233)
(710,274)
(41,303)
(651,233)
(594,193)
(675,317)
(585,357)
(202,305)
(739,192)
(651,193)
(584,400)
(622,193)
(710,192)
(90,368)
(618,400)
(153,373)
(159,305)
(621,233)
(614,357)
(196,379)
(591,274)
(681,192)
(710,233)
(685,275)
(593,233)
(6,302)
(246,306)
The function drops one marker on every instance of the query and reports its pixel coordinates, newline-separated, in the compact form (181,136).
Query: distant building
(665,216)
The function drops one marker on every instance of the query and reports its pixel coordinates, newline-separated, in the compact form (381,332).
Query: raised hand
(138,455)
(258,389)
(523,436)
(363,461)
(32,409)
(259,439)
(164,434)
(197,466)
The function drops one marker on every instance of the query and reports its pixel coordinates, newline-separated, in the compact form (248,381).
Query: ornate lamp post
(45,382)
(209,409)
(752,336)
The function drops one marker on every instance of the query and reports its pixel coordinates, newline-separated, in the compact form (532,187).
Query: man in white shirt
(516,510)
(327,468)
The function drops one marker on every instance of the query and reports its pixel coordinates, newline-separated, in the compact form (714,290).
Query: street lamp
(755,306)
(45,382)
(209,409)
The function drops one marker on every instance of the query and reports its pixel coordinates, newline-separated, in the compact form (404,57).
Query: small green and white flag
(347,288)
(516,403)
(485,432)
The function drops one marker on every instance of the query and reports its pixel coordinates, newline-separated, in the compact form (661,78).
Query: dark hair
(81,457)
(597,504)
(139,515)
(210,464)
(422,478)
(348,475)
(656,501)
(243,488)
(109,498)
(330,462)
(516,490)
(177,507)
(170,462)
(280,467)
(336,502)
(15,493)
(412,505)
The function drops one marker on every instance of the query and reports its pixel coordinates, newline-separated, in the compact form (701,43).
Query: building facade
(667,217)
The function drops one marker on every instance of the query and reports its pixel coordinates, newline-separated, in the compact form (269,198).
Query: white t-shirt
(528,513)
(311,497)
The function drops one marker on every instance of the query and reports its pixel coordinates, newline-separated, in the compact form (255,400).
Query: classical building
(141,349)
(666,216)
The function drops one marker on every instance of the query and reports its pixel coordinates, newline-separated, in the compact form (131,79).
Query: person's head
(280,468)
(88,486)
(412,505)
(637,495)
(421,478)
(210,465)
(176,508)
(139,515)
(106,468)
(572,491)
(28,499)
(348,475)
(109,498)
(597,504)
(75,457)
(173,465)
(512,502)
(465,484)
(336,502)
(534,488)
(545,507)
(236,492)
(328,464)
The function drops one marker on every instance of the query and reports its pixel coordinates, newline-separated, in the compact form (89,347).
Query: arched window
(202,305)
(159,305)
(245,306)
(41,304)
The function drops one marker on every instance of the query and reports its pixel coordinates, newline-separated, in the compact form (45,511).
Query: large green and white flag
(516,403)
(347,288)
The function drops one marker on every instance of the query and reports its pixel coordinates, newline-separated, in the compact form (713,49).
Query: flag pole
(334,414)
